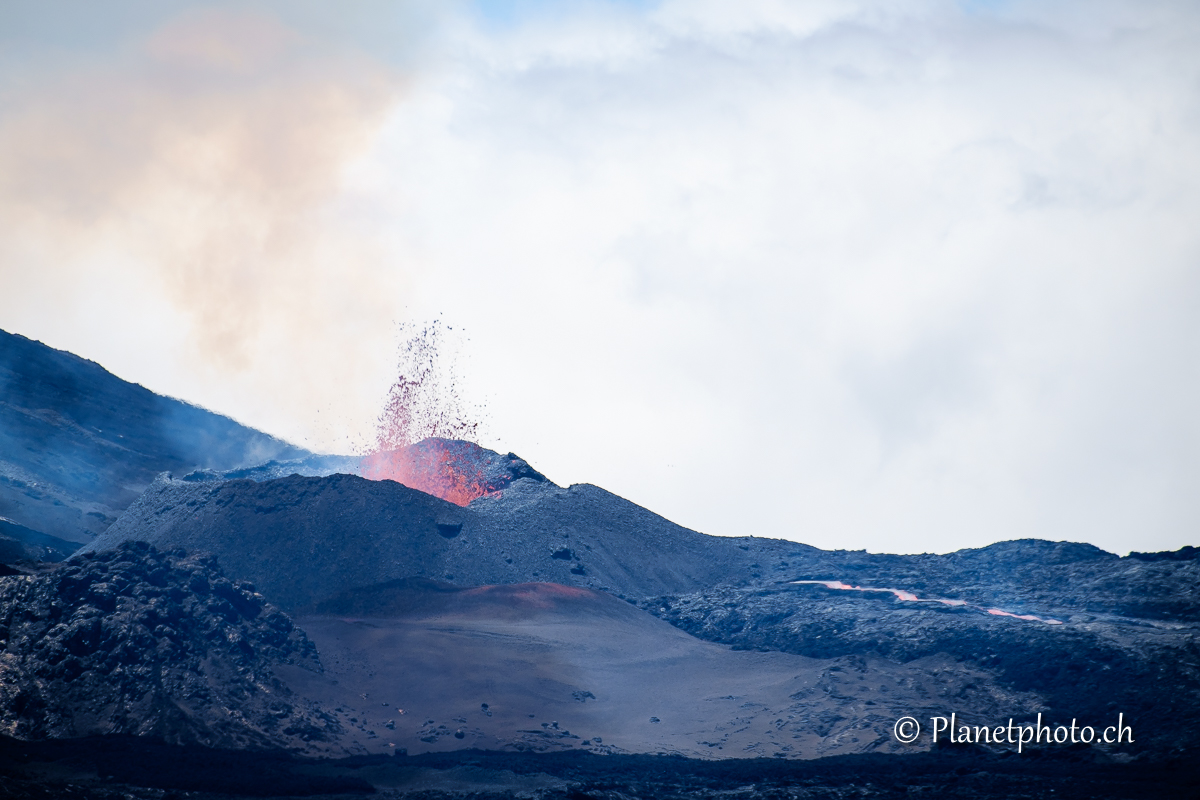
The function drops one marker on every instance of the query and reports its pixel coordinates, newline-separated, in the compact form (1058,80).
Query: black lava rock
(137,641)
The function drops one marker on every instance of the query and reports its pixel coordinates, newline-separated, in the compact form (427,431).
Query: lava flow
(418,436)
(909,597)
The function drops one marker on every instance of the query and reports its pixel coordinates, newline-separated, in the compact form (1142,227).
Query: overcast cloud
(906,276)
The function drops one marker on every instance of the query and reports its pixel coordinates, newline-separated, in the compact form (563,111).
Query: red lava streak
(416,435)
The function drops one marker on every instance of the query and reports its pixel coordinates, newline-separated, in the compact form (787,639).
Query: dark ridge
(1023,551)
(1185,553)
(18,543)
(146,768)
(149,763)
(305,539)
(78,444)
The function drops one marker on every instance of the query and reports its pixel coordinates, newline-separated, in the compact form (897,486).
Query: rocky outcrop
(137,641)
(1185,553)
(1032,575)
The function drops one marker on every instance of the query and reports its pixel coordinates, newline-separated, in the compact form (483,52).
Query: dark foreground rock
(123,768)
(137,641)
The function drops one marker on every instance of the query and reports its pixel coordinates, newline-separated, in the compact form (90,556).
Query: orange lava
(451,470)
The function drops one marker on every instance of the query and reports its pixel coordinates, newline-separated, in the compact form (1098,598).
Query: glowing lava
(452,470)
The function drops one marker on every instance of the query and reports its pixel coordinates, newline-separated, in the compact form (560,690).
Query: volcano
(455,604)
(304,539)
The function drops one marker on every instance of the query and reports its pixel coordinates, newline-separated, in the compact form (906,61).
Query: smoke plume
(204,162)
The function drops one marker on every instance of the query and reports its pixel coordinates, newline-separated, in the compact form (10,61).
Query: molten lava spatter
(424,401)
(417,436)
(452,470)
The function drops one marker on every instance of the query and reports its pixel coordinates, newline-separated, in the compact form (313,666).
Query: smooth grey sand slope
(544,666)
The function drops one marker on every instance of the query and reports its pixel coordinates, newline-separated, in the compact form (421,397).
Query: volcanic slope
(541,667)
(305,539)
(78,444)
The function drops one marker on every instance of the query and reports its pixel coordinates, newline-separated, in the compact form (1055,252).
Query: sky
(909,276)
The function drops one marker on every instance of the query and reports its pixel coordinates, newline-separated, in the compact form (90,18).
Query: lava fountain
(422,436)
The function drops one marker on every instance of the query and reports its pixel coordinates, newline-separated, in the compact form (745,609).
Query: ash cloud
(199,163)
